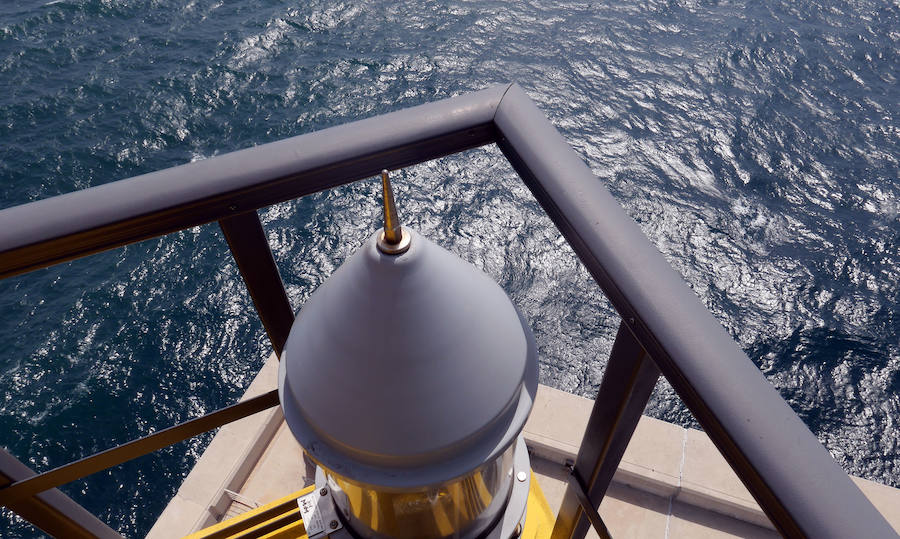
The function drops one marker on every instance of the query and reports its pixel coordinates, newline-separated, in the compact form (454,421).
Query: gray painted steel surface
(250,249)
(782,464)
(790,474)
(407,370)
(628,382)
(75,224)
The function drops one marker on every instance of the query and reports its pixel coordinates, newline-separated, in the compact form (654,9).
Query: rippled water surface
(756,144)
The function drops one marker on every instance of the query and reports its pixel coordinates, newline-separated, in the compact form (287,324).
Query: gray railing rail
(665,327)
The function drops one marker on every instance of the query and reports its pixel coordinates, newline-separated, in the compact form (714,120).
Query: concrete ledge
(886,499)
(652,461)
(668,461)
(227,462)
(708,481)
(654,458)
(675,474)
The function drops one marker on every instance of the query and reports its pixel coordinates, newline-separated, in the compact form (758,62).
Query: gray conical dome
(409,369)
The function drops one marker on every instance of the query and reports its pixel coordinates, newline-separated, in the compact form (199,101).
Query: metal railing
(665,328)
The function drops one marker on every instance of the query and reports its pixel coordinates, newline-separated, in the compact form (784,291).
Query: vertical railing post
(626,387)
(250,249)
(51,511)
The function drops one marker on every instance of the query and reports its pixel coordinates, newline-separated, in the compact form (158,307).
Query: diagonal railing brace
(135,448)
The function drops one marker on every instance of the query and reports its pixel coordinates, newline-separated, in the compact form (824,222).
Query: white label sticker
(309,512)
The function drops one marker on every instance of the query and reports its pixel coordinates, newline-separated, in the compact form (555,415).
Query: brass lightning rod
(393,240)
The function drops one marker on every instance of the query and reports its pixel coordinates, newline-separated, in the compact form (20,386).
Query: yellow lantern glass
(459,508)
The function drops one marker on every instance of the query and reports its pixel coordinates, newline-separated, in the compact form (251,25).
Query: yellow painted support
(291,531)
(539,518)
(283,519)
(256,523)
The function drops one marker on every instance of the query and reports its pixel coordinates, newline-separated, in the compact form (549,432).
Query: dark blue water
(756,143)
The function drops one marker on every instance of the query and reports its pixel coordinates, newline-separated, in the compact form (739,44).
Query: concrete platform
(672,482)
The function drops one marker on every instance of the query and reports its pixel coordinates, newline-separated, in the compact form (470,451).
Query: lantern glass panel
(463,507)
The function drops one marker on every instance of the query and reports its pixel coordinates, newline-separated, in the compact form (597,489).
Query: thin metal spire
(392,230)
(393,240)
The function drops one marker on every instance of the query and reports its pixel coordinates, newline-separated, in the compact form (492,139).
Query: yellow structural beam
(539,518)
(281,519)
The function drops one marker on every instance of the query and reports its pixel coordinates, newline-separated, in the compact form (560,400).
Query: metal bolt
(323,492)
(521,476)
(232,207)
(333,524)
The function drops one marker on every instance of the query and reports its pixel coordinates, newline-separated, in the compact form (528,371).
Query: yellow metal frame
(280,519)
(539,518)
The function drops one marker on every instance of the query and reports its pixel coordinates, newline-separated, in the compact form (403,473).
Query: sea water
(755,143)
